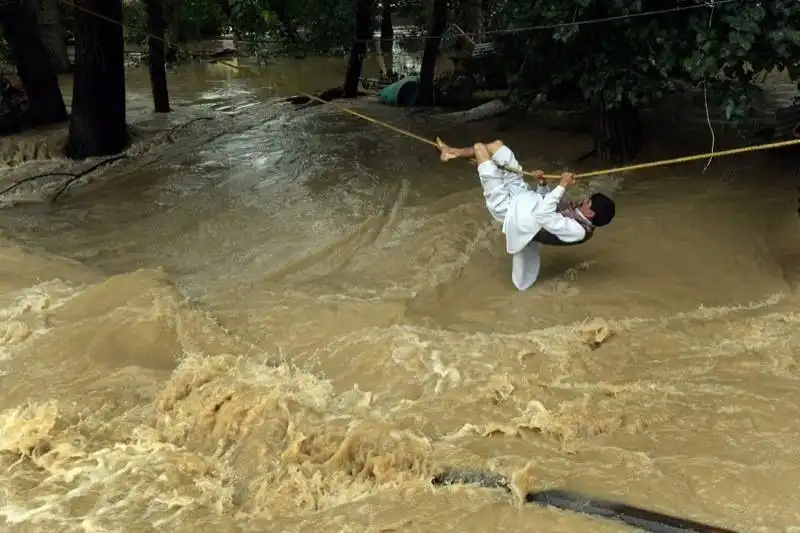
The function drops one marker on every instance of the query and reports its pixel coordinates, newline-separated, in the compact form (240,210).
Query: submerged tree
(619,65)
(45,102)
(157,55)
(387,38)
(53,35)
(97,125)
(427,70)
(363,33)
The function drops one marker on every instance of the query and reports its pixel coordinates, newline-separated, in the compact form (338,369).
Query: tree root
(174,129)
(73,177)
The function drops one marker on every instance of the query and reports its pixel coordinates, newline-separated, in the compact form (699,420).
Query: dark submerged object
(327,95)
(633,516)
(643,519)
(13,107)
(787,126)
(787,123)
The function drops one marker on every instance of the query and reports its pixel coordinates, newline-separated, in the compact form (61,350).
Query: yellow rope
(380,123)
(689,158)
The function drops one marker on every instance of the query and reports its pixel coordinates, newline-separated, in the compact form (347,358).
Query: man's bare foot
(446,153)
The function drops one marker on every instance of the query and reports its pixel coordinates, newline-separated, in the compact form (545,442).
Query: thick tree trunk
(156,58)
(387,38)
(45,102)
(53,35)
(617,133)
(427,70)
(363,30)
(97,126)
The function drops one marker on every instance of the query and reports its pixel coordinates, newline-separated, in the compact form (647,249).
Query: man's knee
(481,152)
(495,146)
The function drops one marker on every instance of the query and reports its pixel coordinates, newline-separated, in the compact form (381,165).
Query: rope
(382,124)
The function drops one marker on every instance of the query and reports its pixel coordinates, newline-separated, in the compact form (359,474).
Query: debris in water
(596,333)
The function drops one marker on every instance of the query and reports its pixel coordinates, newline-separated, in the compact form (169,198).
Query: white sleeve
(552,199)
(565,228)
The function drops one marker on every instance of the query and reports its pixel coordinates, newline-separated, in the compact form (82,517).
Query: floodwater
(280,320)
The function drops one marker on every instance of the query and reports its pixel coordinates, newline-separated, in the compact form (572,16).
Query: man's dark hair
(603,208)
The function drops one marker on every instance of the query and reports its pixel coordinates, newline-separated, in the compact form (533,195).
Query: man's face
(586,208)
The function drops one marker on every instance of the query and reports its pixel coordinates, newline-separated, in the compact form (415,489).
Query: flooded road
(280,320)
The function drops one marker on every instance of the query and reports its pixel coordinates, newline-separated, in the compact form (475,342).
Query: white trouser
(500,186)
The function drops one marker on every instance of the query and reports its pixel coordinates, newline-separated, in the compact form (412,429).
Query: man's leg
(492,177)
(448,152)
(508,166)
(499,185)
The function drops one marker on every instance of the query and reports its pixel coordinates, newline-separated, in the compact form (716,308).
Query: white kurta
(523,213)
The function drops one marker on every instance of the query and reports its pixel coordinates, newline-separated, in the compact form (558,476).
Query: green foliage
(296,26)
(252,16)
(134,18)
(641,59)
(4,52)
(202,18)
(415,13)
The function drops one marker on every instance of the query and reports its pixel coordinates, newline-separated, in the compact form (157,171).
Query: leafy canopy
(641,58)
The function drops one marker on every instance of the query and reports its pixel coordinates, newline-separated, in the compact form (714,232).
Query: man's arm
(553,197)
(542,187)
(563,227)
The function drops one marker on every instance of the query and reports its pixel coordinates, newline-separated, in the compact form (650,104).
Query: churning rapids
(278,320)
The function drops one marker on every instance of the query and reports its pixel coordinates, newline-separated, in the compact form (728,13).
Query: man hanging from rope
(530,217)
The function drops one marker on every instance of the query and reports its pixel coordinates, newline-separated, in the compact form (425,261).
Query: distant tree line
(628,60)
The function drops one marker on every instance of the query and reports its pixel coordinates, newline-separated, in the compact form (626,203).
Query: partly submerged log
(327,95)
(218,55)
(638,517)
(492,109)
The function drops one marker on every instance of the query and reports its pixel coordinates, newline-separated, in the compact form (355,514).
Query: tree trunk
(363,23)
(387,38)
(427,71)
(52,32)
(97,126)
(617,133)
(156,58)
(45,102)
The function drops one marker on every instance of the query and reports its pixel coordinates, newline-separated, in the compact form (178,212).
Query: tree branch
(174,129)
(73,177)
(78,176)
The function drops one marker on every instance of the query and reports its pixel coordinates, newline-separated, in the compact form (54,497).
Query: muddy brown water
(288,321)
